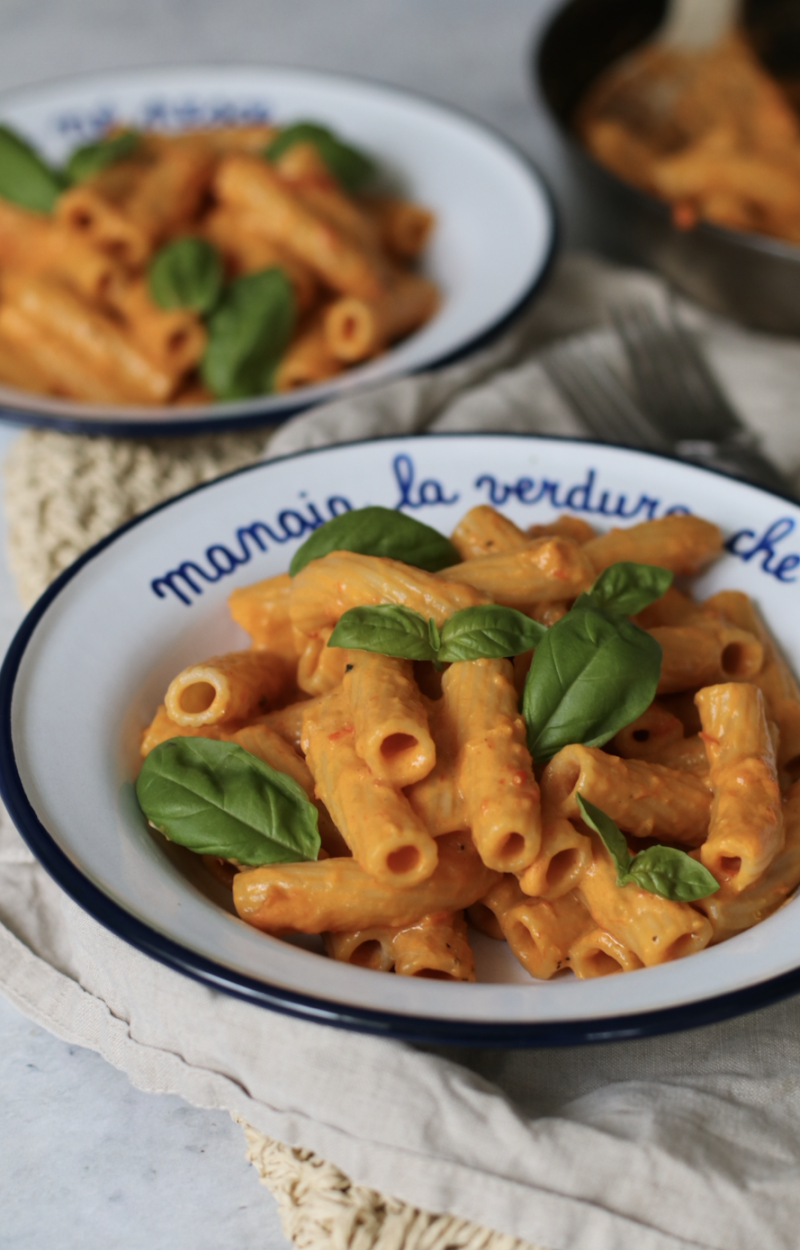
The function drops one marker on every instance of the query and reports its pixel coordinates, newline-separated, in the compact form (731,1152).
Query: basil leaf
(388,628)
(490,632)
(91,158)
(218,799)
(434,636)
(378,532)
(662,870)
(186,274)
(350,167)
(247,335)
(626,588)
(592,673)
(610,835)
(25,179)
(671,873)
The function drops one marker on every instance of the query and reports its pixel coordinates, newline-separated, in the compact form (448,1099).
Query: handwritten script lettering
(583,496)
(747,544)
(220,559)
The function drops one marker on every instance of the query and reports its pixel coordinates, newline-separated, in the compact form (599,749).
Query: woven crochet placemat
(63,493)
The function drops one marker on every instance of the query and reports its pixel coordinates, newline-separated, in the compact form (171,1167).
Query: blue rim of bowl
(165,428)
(393,1025)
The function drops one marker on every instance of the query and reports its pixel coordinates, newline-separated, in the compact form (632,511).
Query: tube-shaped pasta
(390,721)
(52,361)
(702,655)
(247,250)
(174,337)
(730,912)
(746,829)
(88,214)
(646,800)
(597,954)
(16,369)
(91,338)
(404,228)
(495,773)
(262,610)
(655,929)
(436,948)
(364,948)
(356,329)
(483,531)
(684,544)
(326,588)
(163,727)
(563,858)
(169,191)
(337,894)
(775,680)
(565,526)
(251,184)
(539,933)
(320,668)
(645,737)
(437,799)
(374,817)
(674,608)
(35,244)
(484,920)
(288,721)
(302,168)
(548,568)
(308,359)
(227,687)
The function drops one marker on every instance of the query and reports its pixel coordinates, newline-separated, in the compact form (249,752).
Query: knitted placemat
(63,493)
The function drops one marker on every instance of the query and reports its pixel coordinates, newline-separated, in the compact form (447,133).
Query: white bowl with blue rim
(152,598)
(494,239)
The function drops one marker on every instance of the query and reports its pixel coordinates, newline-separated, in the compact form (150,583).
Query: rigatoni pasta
(385,693)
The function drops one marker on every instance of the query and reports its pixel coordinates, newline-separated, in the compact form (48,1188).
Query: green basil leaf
(186,274)
(349,167)
(610,835)
(592,673)
(91,158)
(378,532)
(671,873)
(26,179)
(388,628)
(662,870)
(489,632)
(247,334)
(626,588)
(434,636)
(218,799)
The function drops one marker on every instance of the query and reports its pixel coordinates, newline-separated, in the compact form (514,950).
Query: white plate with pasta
(207,247)
(389,815)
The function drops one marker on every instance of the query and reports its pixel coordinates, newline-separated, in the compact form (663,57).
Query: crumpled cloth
(690,1140)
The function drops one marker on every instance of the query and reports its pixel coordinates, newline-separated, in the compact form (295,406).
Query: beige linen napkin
(689,1140)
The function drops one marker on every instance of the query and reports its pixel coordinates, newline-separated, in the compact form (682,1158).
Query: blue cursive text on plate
(581,496)
(220,560)
(425,494)
(747,544)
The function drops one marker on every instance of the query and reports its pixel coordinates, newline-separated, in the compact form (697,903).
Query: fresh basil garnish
(218,799)
(26,179)
(186,274)
(379,532)
(389,629)
(91,158)
(626,588)
(592,673)
(660,870)
(349,167)
(487,632)
(248,333)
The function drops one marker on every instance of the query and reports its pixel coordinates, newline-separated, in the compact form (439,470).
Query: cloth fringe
(321,1209)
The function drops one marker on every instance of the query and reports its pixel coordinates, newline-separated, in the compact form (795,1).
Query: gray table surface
(85,1159)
